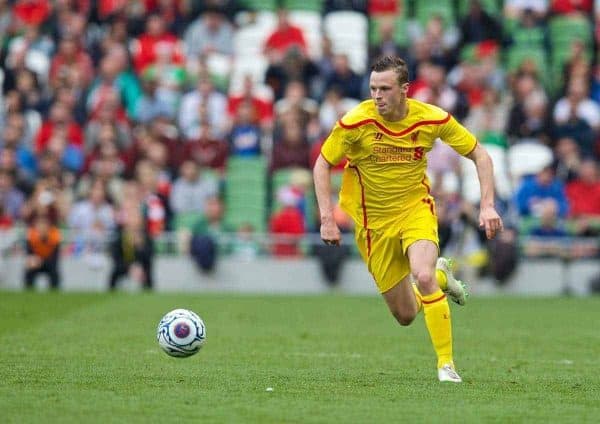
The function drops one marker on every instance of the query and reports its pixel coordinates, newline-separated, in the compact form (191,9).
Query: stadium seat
(425,9)
(527,158)
(400,30)
(310,22)
(259,5)
(348,33)
(246,192)
(310,5)
(565,29)
(525,37)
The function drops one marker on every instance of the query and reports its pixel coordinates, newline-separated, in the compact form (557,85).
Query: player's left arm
(489,219)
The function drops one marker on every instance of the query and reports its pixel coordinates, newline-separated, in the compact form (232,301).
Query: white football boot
(448,373)
(455,289)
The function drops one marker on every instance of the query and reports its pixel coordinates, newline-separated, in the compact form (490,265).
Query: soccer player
(386,192)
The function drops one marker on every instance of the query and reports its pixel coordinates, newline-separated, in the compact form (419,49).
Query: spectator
(114,79)
(206,151)
(567,159)
(59,123)
(43,251)
(215,110)
(151,104)
(292,150)
(132,251)
(144,49)
(478,25)
(527,116)
(286,36)
(11,198)
(71,63)
(245,135)
(287,224)
(344,78)
(92,219)
(209,33)
(583,194)
(203,245)
(537,190)
(262,106)
(191,190)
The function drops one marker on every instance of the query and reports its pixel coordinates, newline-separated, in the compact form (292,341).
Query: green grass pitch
(329,359)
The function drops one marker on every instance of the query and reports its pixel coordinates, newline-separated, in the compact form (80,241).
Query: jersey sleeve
(458,137)
(337,144)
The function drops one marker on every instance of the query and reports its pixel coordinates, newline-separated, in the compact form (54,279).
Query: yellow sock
(441,279)
(437,319)
(418,297)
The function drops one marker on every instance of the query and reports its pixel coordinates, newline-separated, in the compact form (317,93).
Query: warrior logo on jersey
(414,136)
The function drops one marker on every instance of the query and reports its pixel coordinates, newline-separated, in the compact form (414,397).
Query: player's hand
(490,221)
(330,233)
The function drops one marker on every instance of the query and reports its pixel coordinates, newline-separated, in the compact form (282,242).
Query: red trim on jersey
(390,132)
(426,185)
(430,203)
(364,207)
(429,302)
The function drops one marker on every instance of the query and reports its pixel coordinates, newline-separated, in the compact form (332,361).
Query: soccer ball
(181,333)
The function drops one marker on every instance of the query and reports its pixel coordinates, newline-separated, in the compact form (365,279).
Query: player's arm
(330,233)
(488,217)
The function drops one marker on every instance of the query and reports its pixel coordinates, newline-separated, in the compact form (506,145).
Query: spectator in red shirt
(32,11)
(60,120)
(286,36)
(584,192)
(262,107)
(71,59)
(287,223)
(144,48)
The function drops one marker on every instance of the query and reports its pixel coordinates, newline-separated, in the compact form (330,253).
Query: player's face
(388,95)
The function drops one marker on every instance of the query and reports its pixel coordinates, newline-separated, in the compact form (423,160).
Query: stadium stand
(137,70)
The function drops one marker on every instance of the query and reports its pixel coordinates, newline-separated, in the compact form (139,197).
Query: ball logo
(182,330)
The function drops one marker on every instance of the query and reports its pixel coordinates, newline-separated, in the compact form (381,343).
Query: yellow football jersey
(387,161)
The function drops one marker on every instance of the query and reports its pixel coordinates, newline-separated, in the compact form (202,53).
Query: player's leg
(404,301)
(422,255)
(389,267)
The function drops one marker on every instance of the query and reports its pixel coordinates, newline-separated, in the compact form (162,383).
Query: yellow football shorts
(385,250)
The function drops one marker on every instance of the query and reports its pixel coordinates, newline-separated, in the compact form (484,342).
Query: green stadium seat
(400,30)
(524,37)
(311,5)
(426,9)
(186,220)
(235,217)
(259,5)
(564,30)
(516,56)
(245,197)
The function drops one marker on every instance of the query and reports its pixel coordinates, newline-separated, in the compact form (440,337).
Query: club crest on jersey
(378,136)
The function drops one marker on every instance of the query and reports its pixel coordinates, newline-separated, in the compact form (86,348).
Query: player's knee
(403,317)
(426,278)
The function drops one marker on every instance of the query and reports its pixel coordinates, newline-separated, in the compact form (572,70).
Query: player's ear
(404,87)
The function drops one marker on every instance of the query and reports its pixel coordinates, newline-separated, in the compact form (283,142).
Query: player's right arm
(330,233)
(333,151)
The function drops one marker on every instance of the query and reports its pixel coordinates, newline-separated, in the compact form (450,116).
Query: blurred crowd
(120,119)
